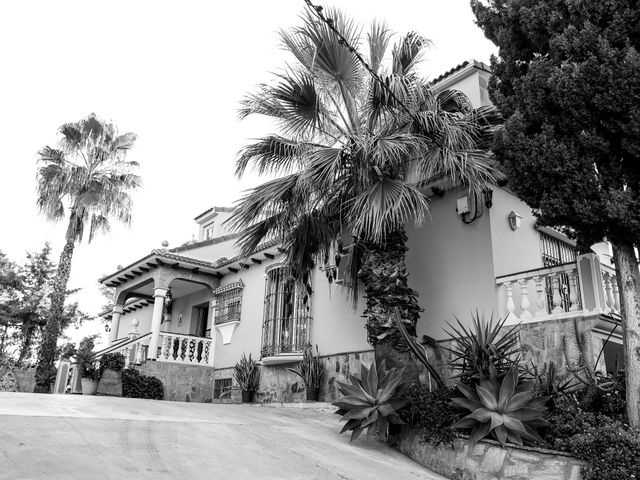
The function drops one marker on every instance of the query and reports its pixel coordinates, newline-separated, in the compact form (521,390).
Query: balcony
(582,288)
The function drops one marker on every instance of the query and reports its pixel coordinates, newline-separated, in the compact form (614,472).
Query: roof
(203,243)
(217,209)
(461,66)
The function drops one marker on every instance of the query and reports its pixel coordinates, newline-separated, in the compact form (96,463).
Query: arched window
(287,314)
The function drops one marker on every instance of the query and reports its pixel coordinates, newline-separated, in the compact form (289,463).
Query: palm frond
(408,53)
(378,39)
(272,155)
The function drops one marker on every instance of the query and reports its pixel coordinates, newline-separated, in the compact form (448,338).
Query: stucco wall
(184,306)
(143,315)
(213,252)
(450,265)
(513,251)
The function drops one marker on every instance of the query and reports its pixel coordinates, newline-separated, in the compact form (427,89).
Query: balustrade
(541,292)
(184,349)
(610,286)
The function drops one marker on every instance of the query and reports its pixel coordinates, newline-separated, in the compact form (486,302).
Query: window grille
(557,252)
(228,303)
(287,314)
(221,386)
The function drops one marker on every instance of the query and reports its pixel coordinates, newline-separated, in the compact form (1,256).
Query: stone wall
(182,383)
(487,460)
(278,384)
(25,377)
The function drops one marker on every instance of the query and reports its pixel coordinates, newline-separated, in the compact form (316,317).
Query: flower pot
(247,396)
(313,394)
(89,387)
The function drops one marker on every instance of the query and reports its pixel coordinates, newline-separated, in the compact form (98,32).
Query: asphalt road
(80,437)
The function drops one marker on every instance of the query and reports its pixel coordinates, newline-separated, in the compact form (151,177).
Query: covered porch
(163,310)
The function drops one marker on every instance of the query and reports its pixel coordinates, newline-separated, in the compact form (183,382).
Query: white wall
(211,253)
(184,306)
(513,251)
(450,266)
(143,315)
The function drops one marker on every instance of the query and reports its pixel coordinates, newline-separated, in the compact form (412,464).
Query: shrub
(564,423)
(611,452)
(372,401)
(432,412)
(112,361)
(500,408)
(136,385)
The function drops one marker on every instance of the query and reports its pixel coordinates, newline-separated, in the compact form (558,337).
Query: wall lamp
(515,220)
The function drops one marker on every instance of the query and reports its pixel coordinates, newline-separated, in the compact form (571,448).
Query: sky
(172,72)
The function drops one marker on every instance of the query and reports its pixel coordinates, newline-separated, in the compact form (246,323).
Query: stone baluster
(616,294)
(510,305)
(557,299)
(524,299)
(541,297)
(608,291)
(139,354)
(127,356)
(573,291)
(164,353)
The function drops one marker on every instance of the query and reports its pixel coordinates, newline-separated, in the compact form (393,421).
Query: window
(208,231)
(221,386)
(287,314)
(228,303)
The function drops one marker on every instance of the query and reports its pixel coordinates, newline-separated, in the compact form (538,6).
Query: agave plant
(476,350)
(372,401)
(501,408)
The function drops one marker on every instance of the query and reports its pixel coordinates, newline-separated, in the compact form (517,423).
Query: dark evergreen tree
(567,81)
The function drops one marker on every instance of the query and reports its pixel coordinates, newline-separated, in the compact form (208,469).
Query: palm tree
(89,177)
(352,159)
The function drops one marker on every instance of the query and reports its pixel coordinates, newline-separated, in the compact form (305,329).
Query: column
(115,323)
(156,321)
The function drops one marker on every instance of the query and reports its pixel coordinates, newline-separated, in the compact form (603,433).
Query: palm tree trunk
(629,287)
(52,328)
(384,276)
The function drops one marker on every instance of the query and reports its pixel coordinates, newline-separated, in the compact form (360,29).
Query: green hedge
(136,385)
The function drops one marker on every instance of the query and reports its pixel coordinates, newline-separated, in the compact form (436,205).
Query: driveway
(80,437)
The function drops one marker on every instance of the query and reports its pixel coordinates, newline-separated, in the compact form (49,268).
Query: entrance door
(199,325)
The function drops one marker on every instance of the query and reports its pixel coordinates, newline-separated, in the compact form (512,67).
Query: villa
(187,314)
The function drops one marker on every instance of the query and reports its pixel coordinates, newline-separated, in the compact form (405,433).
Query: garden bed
(486,460)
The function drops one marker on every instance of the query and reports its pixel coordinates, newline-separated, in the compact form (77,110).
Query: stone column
(156,321)
(115,323)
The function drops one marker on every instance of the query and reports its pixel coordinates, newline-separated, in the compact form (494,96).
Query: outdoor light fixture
(106,328)
(514,220)
(488,197)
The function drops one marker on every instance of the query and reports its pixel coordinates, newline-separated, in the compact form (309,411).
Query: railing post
(524,299)
(608,290)
(541,304)
(590,275)
(510,305)
(573,292)
(616,294)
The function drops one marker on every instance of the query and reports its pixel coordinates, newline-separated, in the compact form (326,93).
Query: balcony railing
(185,349)
(584,287)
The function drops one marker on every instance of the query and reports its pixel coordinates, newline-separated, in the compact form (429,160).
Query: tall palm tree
(351,159)
(89,178)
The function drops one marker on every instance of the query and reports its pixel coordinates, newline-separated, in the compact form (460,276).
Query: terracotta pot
(247,396)
(89,387)
(313,394)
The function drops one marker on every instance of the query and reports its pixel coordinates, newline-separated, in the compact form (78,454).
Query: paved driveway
(75,437)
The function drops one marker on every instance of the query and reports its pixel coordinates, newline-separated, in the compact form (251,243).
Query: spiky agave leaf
(509,413)
(371,401)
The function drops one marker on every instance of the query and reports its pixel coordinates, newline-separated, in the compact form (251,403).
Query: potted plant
(311,371)
(111,365)
(85,359)
(47,378)
(247,376)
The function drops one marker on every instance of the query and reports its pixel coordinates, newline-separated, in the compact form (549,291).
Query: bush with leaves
(503,409)
(372,401)
(112,361)
(432,412)
(136,385)
(476,349)
(611,452)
